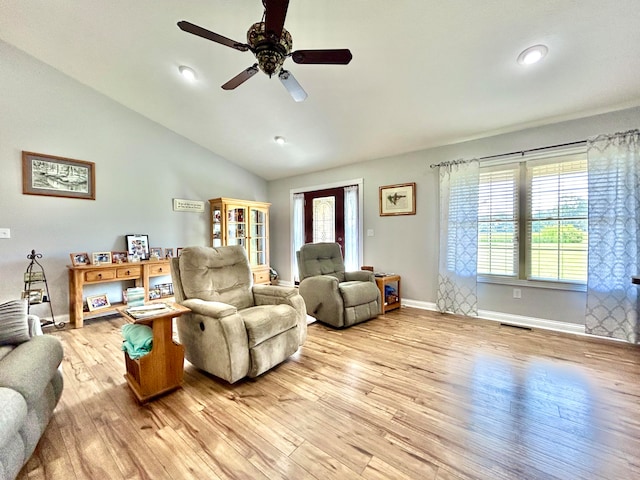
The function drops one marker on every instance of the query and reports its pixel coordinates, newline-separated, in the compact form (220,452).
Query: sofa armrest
(276,295)
(322,298)
(359,276)
(209,309)
(17,368)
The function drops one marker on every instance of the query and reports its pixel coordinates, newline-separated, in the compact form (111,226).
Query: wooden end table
(161,370)
(381,282)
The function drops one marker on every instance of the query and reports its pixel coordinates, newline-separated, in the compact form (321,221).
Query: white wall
(408,245)
(140,167)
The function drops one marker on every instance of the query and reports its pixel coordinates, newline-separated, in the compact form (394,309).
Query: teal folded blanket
(138,340)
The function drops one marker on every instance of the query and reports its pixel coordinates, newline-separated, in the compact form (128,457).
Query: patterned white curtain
(458,263)
(614,236)
(351,228)
(298,231)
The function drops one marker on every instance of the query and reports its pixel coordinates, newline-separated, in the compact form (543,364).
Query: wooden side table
(161,370)
(389,302)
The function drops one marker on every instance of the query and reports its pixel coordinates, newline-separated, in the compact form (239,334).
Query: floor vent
(515,326)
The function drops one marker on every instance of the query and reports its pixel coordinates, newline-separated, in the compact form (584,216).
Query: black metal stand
(35,276)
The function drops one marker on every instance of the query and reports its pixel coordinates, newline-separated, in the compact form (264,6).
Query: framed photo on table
(96,302)
(138,245)
(78,259)
(398,199)
(98,258)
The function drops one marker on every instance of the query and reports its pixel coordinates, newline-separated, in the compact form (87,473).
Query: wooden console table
(381,282)
(82,275)
(161,370)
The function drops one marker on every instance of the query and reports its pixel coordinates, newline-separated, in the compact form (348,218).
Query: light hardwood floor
(412,394)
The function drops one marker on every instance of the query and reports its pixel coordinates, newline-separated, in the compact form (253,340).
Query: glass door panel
(216,233)
(236,225)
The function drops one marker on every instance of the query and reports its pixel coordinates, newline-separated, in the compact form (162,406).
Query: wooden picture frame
(156,250)
(33,296)
(33,276)
(96,302)
(119,257)
(138,244)
(78,259)
(100,258)
(57,176)
(398,199)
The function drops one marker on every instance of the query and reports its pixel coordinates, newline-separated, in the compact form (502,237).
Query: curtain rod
(521,152)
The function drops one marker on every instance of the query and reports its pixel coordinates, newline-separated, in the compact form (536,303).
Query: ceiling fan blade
(292,85)
(241,77)
(214,37)
(336,57)
(275,12)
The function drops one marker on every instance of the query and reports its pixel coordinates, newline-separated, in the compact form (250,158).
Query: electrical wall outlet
(5,233)
(517,293)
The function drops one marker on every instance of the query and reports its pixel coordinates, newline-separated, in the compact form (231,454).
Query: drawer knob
(128,272)
(160,269)
(99,275)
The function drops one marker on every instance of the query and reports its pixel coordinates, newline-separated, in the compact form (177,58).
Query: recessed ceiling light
(532,55)
(187,72)
(279,140)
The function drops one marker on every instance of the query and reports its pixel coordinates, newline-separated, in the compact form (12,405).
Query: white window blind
(498,221)
(557,219)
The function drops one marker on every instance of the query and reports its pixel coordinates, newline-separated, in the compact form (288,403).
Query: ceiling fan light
(532,55)
(279,140)
(187,73)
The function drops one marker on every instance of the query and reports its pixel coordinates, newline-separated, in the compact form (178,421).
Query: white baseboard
(511,319)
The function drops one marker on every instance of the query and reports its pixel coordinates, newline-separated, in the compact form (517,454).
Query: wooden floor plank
(412,394)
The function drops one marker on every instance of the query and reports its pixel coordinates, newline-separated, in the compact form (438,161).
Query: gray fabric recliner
(333,296)
(235,329)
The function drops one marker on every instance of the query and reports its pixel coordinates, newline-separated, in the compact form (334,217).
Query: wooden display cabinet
(245,223)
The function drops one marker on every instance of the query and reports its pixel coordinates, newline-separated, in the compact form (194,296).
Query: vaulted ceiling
(424,72)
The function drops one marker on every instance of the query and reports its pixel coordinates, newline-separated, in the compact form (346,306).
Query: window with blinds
(557,220)
(532,219)
(498,221)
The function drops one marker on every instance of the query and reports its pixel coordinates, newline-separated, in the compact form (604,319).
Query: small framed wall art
(57,176)
(398,199)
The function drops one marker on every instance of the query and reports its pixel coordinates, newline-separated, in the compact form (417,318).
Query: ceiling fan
(271,44)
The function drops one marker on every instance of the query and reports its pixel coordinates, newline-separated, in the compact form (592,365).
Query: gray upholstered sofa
(30,385)
(332,295)
(235,329)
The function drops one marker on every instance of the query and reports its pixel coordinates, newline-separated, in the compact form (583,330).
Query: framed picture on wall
(57,176)
(398,199)
(138,245)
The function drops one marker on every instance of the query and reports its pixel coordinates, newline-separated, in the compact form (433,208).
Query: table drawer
(261,277)
(128,272)
(99,275)
(163,269)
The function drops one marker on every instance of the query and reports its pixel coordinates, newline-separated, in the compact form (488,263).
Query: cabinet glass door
(216,232)
(236,225)
(258,247)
